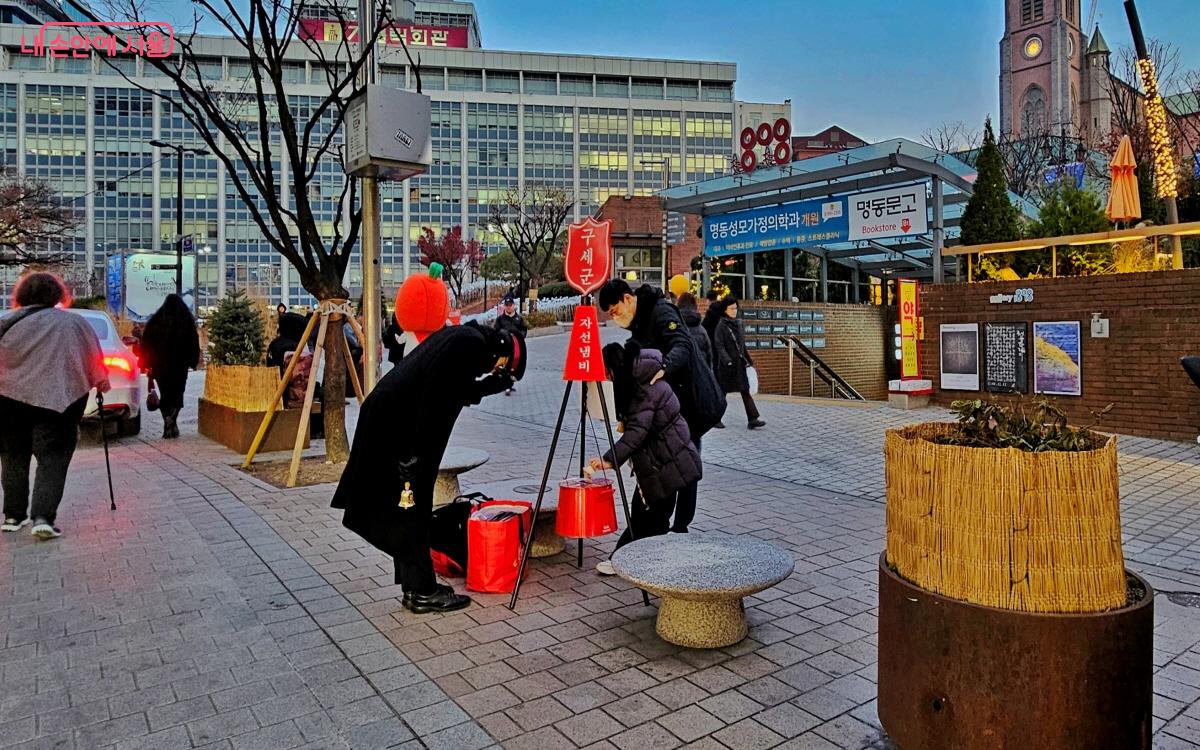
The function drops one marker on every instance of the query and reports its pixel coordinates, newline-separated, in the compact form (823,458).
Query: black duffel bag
(448,534)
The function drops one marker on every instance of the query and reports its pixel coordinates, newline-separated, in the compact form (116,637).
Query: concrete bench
(456,461)
(701,579)
(546,541)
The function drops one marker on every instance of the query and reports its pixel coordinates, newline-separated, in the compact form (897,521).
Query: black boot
(170,423)
(438,588)
(442,599)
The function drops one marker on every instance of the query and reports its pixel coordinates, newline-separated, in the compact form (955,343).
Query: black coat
(732,359)
(404,426)
(514,324)
(657,324)
(392,342)
(699,335)
(656,436)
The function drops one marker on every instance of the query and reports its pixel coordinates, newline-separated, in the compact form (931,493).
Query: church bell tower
(1041,67)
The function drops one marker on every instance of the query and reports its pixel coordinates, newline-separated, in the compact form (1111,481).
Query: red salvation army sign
(589,254)
(584,359)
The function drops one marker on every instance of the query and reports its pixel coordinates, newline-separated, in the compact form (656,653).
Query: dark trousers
(685,502)
(650,517)
(414,566)
(751,410)
(30,432)
(171,385)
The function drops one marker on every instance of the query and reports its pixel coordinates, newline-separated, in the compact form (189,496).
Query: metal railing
(817,370)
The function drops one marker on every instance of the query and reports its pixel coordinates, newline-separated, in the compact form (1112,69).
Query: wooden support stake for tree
(362,336)
(287,377)
(358,392)
(302,431)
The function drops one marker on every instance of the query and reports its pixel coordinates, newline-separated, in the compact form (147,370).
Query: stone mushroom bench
(701,579)
(456,461)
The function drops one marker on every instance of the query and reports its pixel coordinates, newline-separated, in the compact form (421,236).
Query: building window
(536,83)
(717,92)
(576,85)
(433,79)
(392,77)
(294,73)
(466,80)
(1032,10)
(77,65)
(647,88)
(21,61)
(1033,113)
(502,82)
(613,87)
(686,90)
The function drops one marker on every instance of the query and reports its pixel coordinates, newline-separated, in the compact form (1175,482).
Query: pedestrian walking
(170,347)
(50,360)
(404,425)
(654,438)
(654,323)
(511,322)
(732,359)
(393,341)
(689,311)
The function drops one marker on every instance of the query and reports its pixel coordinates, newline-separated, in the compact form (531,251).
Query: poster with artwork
(960,356)
(1057,363)
(1006,358)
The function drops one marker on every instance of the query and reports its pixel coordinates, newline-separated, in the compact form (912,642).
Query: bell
(406,497)
(586,508)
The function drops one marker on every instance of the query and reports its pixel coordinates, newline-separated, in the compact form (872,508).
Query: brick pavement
(213,611)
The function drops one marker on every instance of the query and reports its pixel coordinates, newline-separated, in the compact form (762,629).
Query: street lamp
(179,151)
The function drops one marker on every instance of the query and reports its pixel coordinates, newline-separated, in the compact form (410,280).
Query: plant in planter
(238,388)
(1004,585)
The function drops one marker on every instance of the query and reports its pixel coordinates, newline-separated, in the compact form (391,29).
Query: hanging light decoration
(1160,139)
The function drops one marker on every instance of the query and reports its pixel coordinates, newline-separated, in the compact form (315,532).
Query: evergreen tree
(235,331)
(1070,210)
(990,216)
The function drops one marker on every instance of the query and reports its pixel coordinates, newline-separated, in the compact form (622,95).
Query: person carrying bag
(733,361)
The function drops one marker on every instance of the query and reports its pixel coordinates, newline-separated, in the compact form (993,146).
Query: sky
(879,68)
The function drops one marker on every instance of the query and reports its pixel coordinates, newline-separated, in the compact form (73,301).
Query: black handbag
(448,533)
(152,397)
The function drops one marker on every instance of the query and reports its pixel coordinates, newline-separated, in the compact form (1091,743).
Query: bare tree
(952,137)
(1127,97)
(34,221)
(260,133)
(530,221)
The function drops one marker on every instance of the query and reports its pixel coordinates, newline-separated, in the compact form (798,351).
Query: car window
(100,326)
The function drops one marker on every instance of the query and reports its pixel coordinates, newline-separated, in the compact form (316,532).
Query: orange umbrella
(1123,201)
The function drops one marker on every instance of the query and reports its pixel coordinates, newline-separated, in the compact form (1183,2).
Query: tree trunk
(337,445)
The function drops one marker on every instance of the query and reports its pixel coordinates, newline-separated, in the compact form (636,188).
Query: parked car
(124,401)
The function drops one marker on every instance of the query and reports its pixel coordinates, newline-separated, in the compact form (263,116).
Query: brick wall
(1154,319)
(855,343)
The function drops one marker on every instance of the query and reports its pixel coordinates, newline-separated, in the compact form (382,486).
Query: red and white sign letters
(584,359)
(589,254)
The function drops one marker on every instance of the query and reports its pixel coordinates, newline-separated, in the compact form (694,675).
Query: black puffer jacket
(691,318)
(658,325)
(514,324)
(656,435)
(732,359)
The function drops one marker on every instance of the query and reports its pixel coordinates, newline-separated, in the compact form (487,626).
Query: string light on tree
(1160,142)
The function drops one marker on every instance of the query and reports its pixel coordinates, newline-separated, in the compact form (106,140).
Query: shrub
(541,319)
(985,424)
(556,289)
(95,302)
(235,331)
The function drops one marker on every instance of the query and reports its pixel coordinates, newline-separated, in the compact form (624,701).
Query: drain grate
(1184,598)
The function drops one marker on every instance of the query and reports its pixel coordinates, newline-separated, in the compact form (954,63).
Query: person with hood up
(654,323)
(690,313)
(654,437)
(404,425)
(732,359)
(170,347)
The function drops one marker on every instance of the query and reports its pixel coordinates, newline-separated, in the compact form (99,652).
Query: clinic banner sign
(895,212)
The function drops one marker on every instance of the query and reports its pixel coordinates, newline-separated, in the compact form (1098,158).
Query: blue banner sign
(798,224)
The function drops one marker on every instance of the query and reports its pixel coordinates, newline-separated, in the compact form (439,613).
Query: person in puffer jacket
(655,438)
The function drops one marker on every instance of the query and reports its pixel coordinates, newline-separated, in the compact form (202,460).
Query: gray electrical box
(387,134)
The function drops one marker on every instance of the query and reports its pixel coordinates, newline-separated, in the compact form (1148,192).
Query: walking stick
(112,498)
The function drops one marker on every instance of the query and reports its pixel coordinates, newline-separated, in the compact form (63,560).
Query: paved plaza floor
(210,610)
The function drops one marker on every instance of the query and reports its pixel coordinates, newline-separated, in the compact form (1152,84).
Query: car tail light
(117,362)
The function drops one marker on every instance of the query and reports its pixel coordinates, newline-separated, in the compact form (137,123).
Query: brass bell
(406,497)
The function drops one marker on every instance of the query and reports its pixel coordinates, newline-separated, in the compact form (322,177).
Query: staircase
(816,370)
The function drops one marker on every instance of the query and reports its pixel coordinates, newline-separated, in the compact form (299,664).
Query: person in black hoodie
(170,347)
(403,428)
(691,316)
(654,323)
(655,439)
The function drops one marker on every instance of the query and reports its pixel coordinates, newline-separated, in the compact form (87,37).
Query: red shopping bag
(496,533)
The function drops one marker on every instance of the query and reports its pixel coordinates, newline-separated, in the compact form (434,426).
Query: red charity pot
(586,508)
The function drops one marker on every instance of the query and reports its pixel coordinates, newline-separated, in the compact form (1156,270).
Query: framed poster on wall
(960,356)
(1006,357)
(1057,359)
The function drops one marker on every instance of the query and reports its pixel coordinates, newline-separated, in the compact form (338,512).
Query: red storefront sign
(414,36)
(588,262)
(584,359)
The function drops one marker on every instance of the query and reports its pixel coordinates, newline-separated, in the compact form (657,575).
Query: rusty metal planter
(959,675)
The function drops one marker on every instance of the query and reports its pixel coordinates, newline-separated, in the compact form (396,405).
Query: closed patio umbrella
(1123,201)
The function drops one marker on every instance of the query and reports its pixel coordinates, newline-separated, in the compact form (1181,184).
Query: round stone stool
(701,579)
(456,461)
(546,541)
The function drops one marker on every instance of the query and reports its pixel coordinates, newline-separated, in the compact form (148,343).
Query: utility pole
(179,152)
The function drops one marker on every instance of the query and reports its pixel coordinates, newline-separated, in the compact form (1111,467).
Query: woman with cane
(49,360)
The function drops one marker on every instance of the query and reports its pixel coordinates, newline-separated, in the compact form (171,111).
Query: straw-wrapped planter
(241,387)
(1004,585)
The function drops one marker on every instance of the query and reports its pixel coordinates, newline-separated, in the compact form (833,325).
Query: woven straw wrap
(241,387)
(1032,532)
